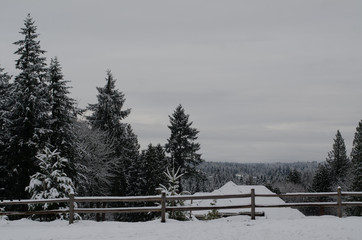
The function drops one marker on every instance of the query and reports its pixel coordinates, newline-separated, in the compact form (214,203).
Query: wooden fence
(163,199)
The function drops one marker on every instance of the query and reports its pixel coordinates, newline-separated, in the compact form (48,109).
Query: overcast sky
(263,81)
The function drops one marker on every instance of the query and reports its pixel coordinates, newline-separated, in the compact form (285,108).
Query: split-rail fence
(163,200)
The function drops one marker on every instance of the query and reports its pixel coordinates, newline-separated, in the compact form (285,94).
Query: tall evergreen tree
(107,115)
(29,118)
(62,115)
(5,89)
(356,156)
(5,102)
(338,161)
(182,145)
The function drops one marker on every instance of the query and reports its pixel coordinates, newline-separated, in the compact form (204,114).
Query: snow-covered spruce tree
(107,115)
(356,157)
(29,119)
(338,161)
(173,189)
(5,102)
(182,145)
(62,115)
(50,182)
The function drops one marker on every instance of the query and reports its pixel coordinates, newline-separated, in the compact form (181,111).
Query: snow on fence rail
(162,199)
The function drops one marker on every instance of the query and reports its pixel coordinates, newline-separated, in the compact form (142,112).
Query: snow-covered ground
(277,224)
(238,227)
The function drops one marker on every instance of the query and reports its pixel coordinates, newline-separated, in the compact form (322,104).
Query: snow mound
(232,188)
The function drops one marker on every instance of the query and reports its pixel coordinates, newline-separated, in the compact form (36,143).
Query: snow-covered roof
(232,188)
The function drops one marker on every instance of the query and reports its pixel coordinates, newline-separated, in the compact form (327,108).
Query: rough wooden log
(71,208)
(163,207)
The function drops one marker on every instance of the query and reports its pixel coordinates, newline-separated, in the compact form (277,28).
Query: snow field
(238,227)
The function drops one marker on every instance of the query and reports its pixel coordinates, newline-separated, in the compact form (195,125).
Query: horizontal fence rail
(35,201)
(163,199)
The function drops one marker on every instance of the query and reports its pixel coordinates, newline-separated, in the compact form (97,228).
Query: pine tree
(182,145)
(154,164)
(107,115)
(62,115)
(338,161)
(322,179)
(5,89)
(5,103)
(29,119)
(50,181)
(356,156)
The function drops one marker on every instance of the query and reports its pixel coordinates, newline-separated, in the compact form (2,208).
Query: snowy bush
(173,190)
(214,213)
(2,209)
(50,182)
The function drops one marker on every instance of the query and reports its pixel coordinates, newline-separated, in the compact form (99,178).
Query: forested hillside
(296,176)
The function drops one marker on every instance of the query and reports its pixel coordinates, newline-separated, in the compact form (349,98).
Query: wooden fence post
(252,198)
(339,202)
(71,208)
(163,207)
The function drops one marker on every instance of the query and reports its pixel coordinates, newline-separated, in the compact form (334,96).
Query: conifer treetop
(62,111)
(337,158)
(29,48)
(107,113)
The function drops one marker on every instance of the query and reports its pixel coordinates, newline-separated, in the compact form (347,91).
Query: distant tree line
(279,177)
(338,170)
(47,151)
